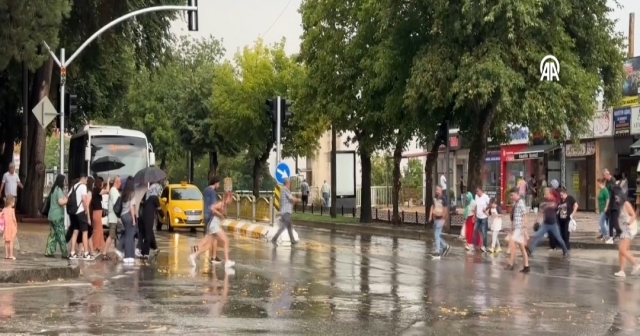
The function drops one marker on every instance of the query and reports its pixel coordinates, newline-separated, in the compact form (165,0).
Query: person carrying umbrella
(148,207)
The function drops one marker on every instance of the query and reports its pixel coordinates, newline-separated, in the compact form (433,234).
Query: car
(182,206)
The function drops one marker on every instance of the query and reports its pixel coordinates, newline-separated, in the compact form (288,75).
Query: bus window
(77,164)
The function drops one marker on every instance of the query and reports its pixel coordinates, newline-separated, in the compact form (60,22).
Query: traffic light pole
(63,62)
(278,124)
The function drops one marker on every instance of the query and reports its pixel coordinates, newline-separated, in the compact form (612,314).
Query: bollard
(271,212)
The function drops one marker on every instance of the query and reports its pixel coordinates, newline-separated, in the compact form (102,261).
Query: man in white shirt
(482,220)
(10,182)
(443,182)
(82,219)
(326,194)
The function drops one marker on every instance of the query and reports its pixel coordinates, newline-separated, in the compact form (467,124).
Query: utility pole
(446,174)
(334,172)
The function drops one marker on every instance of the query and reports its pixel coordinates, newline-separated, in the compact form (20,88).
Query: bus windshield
(131,151)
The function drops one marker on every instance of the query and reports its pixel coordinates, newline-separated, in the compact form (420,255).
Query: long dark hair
(59,182)
(128,190)
(617,191)
(90,182)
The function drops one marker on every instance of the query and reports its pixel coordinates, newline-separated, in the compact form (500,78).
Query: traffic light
(70,104)
(192,16)
(272,110)
(285,111)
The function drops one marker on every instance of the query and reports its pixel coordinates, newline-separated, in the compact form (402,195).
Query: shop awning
(635,148)
(533,152)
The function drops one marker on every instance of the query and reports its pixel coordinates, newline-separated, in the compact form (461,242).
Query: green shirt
(603,196)
(56,211)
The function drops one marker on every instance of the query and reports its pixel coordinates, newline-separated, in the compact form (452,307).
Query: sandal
(49,256)
(106,257)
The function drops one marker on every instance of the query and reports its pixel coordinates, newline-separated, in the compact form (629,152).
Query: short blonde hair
(10,200)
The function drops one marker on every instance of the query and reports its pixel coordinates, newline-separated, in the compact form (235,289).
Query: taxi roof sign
(184,183)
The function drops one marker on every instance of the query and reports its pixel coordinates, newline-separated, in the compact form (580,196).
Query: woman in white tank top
(627,220)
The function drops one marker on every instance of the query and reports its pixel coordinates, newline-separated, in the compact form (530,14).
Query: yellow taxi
(182,207)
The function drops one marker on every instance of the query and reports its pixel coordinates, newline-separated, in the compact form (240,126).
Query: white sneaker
(468,247)
(119,254)
(229,263)
(129,261)
(609,241)
(138,253)
(192,260)
(484,249)
(636,269)
(620,274)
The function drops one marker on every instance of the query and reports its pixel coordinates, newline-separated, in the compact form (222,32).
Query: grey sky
(241,22)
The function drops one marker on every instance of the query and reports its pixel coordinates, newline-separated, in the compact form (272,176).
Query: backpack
(117,207)
(438,208)
(72,201)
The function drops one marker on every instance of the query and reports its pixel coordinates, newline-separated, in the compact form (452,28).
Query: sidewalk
(31,265)
(584,237)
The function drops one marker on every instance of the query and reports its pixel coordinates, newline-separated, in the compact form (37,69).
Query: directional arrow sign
(282,172)
(44,112)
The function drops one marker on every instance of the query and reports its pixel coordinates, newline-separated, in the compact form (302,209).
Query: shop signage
(635,120)
(520,136)
(493,156)
(602,124)
(622,121)
(526,156)
(586,148)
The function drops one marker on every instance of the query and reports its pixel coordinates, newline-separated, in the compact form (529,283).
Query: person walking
(630,225)
(150,209)
(469,224)
(57,201)
(482,221)
(326,194)
(112,219)
(517,236)
(603,198)
(566,209)
(612,208)
(304,190)
(97,237)
(549,223)
(10,226)
(78,205)
(438,214)
(128,218)
(286,207)
(624,184)
(10,182)
(496,225)
(209,199)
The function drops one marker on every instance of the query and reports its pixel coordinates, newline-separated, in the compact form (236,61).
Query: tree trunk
(213,164)
(478,148)
(24,139)
(32,200)
(256,174)
(9,135)
(397,158)
(432,159)
(365,195)
(163,162)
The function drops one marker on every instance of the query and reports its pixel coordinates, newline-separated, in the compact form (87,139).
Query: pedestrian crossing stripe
(276,198)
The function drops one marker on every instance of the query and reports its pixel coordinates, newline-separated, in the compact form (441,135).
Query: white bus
(95,141)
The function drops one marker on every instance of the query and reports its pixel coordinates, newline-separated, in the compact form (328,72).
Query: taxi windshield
(186,194)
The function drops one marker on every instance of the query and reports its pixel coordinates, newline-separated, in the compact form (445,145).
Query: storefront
(540,160)
(580,173)
(491,174)
(509,168)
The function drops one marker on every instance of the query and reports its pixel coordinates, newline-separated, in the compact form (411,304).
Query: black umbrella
(106,163)
(149,175)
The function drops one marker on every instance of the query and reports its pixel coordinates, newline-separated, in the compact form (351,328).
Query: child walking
(496,225)
(8,215)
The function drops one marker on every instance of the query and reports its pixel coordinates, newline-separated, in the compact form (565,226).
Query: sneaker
(509,268)
(73,256)
(609,241)
(215,260)
(599,237)
(119,254)
(620,274)
(491,250)
(484,249)
(156,252)
(446,250)
(525,270)
(468,247)
(636,269)
(138,253)
(229,263)
(435,256)
(498,250)
(192,260)
(129,261)
(87,256)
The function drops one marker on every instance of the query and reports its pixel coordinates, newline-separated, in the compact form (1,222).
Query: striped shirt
(519,210)
(286,206)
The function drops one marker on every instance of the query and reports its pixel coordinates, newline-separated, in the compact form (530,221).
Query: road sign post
(278,125)
(282,172)
(228,184)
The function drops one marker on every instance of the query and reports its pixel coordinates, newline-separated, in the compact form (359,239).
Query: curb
(424,235)
(255,230)
(39,274)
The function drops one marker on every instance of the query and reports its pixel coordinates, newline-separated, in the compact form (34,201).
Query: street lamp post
(63,62)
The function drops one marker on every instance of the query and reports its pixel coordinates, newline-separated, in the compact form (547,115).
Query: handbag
(573,226)
(105,212)
(46,206)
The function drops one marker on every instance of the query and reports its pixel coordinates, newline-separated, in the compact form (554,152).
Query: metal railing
(248,207)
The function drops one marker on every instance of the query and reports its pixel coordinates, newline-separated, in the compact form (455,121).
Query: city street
(331,284)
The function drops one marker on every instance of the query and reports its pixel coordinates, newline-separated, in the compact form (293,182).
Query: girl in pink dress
(10,226)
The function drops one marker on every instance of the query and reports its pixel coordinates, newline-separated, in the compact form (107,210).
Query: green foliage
(381,166)
(52,152)
(412,175)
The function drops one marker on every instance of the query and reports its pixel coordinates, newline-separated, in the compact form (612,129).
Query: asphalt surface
(331,284)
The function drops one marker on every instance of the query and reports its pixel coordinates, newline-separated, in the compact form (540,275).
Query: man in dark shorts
(80,221)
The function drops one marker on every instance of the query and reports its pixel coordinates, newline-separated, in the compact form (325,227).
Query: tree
(480,67)
(52,151)
(412,176)
(336,41)
(380,172)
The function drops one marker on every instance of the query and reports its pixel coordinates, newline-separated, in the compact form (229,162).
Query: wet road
(332,284)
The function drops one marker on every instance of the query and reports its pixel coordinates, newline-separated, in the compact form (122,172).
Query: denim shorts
(214,226)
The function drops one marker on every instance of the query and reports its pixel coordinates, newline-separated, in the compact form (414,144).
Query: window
(77,164)
(186,194)
(132,152)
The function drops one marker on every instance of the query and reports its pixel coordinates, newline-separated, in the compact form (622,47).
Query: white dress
(496,220)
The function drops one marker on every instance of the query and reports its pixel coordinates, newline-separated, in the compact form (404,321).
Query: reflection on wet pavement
(332,284)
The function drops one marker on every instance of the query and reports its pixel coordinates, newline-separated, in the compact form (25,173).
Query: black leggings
(614,223)
(146,237)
